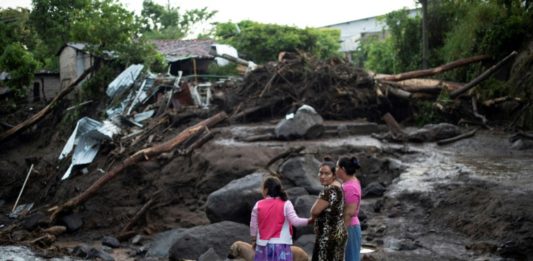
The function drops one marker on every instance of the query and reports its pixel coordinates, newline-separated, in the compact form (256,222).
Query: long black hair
(328,161)
(350,165)
(274,188)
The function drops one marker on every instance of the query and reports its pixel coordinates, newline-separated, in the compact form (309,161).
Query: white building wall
(352,31)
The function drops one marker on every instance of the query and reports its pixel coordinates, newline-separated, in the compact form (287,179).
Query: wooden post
(22,189)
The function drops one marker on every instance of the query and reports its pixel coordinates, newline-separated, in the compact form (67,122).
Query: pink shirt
(352,195)
(270,227)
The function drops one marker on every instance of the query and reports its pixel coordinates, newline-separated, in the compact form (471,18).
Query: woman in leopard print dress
(328,211)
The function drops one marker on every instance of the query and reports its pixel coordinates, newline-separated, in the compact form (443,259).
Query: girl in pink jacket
(272,221)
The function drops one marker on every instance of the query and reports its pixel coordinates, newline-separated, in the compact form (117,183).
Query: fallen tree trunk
(38,116)
(136,157)
(432,71)
(482,77)
(424,85)
(457,138)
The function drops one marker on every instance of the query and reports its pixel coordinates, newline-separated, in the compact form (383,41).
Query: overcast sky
(287,12)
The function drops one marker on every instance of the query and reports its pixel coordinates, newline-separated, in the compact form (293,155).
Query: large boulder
(307,243)
(234,202)
(301,172)
(306,123)
(302,206)
(162,242)
(295,192)
(197,240)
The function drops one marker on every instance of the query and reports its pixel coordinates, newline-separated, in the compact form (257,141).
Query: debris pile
(334,87)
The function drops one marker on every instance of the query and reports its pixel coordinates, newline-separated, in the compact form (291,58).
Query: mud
(466,201)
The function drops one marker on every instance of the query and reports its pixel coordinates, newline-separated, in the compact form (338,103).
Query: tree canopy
(262,42)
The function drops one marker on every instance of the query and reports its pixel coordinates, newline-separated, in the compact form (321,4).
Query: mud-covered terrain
(465,201)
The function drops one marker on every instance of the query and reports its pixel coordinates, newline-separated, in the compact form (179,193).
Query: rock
(195,241)
(374,189)
(136,240)
(302,172)
(302,206)
(362,215)
(73,221)
(306,123)
(110,241)
(307,242)
(95,253)
(34,220)
(234,202)
(81,250)
(295,192)
(162,242)
(522,144)
(434,132)
(210,255)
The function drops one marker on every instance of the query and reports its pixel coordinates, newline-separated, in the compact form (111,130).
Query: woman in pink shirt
(272,221)
(351,188)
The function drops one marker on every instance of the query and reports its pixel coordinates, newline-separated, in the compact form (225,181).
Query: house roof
(175,50)
(77,46)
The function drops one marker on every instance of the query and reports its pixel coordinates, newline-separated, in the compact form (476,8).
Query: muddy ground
(470,200)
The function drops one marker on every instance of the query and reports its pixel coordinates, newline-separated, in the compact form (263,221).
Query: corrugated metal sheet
(124,80)
(86,138)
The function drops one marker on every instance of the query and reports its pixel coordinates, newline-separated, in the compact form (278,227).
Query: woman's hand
(253,243)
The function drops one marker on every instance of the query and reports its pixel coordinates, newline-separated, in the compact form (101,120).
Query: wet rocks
(374,189)
(301,172)
(73,221)
(306,123)
(235,201)
(162,242)
(110,241)
(194,242)
(209,255)
(434,132)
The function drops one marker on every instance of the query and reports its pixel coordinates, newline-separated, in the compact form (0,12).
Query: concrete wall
(72,63)
(48,87)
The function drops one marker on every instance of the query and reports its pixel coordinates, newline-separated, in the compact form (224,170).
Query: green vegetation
(30,40)
(20,65)
(263,42)
(457,29)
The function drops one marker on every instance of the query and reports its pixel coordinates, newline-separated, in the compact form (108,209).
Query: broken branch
(38,116)
(458,137)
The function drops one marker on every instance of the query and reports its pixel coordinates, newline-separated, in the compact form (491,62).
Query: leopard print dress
(330,232)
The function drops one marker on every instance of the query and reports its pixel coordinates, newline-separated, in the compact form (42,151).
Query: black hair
(350,165)
(274,189)
(328,161)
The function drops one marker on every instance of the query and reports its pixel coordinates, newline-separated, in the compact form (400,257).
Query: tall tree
(425,45)
(262,42)
(20,65)
(159,22)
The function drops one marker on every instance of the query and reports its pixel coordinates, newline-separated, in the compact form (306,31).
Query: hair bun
(355,162)
(328,158)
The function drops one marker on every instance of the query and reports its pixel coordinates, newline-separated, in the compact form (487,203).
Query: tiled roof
(175,50)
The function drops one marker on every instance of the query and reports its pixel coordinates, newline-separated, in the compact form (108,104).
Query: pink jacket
(271,221)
